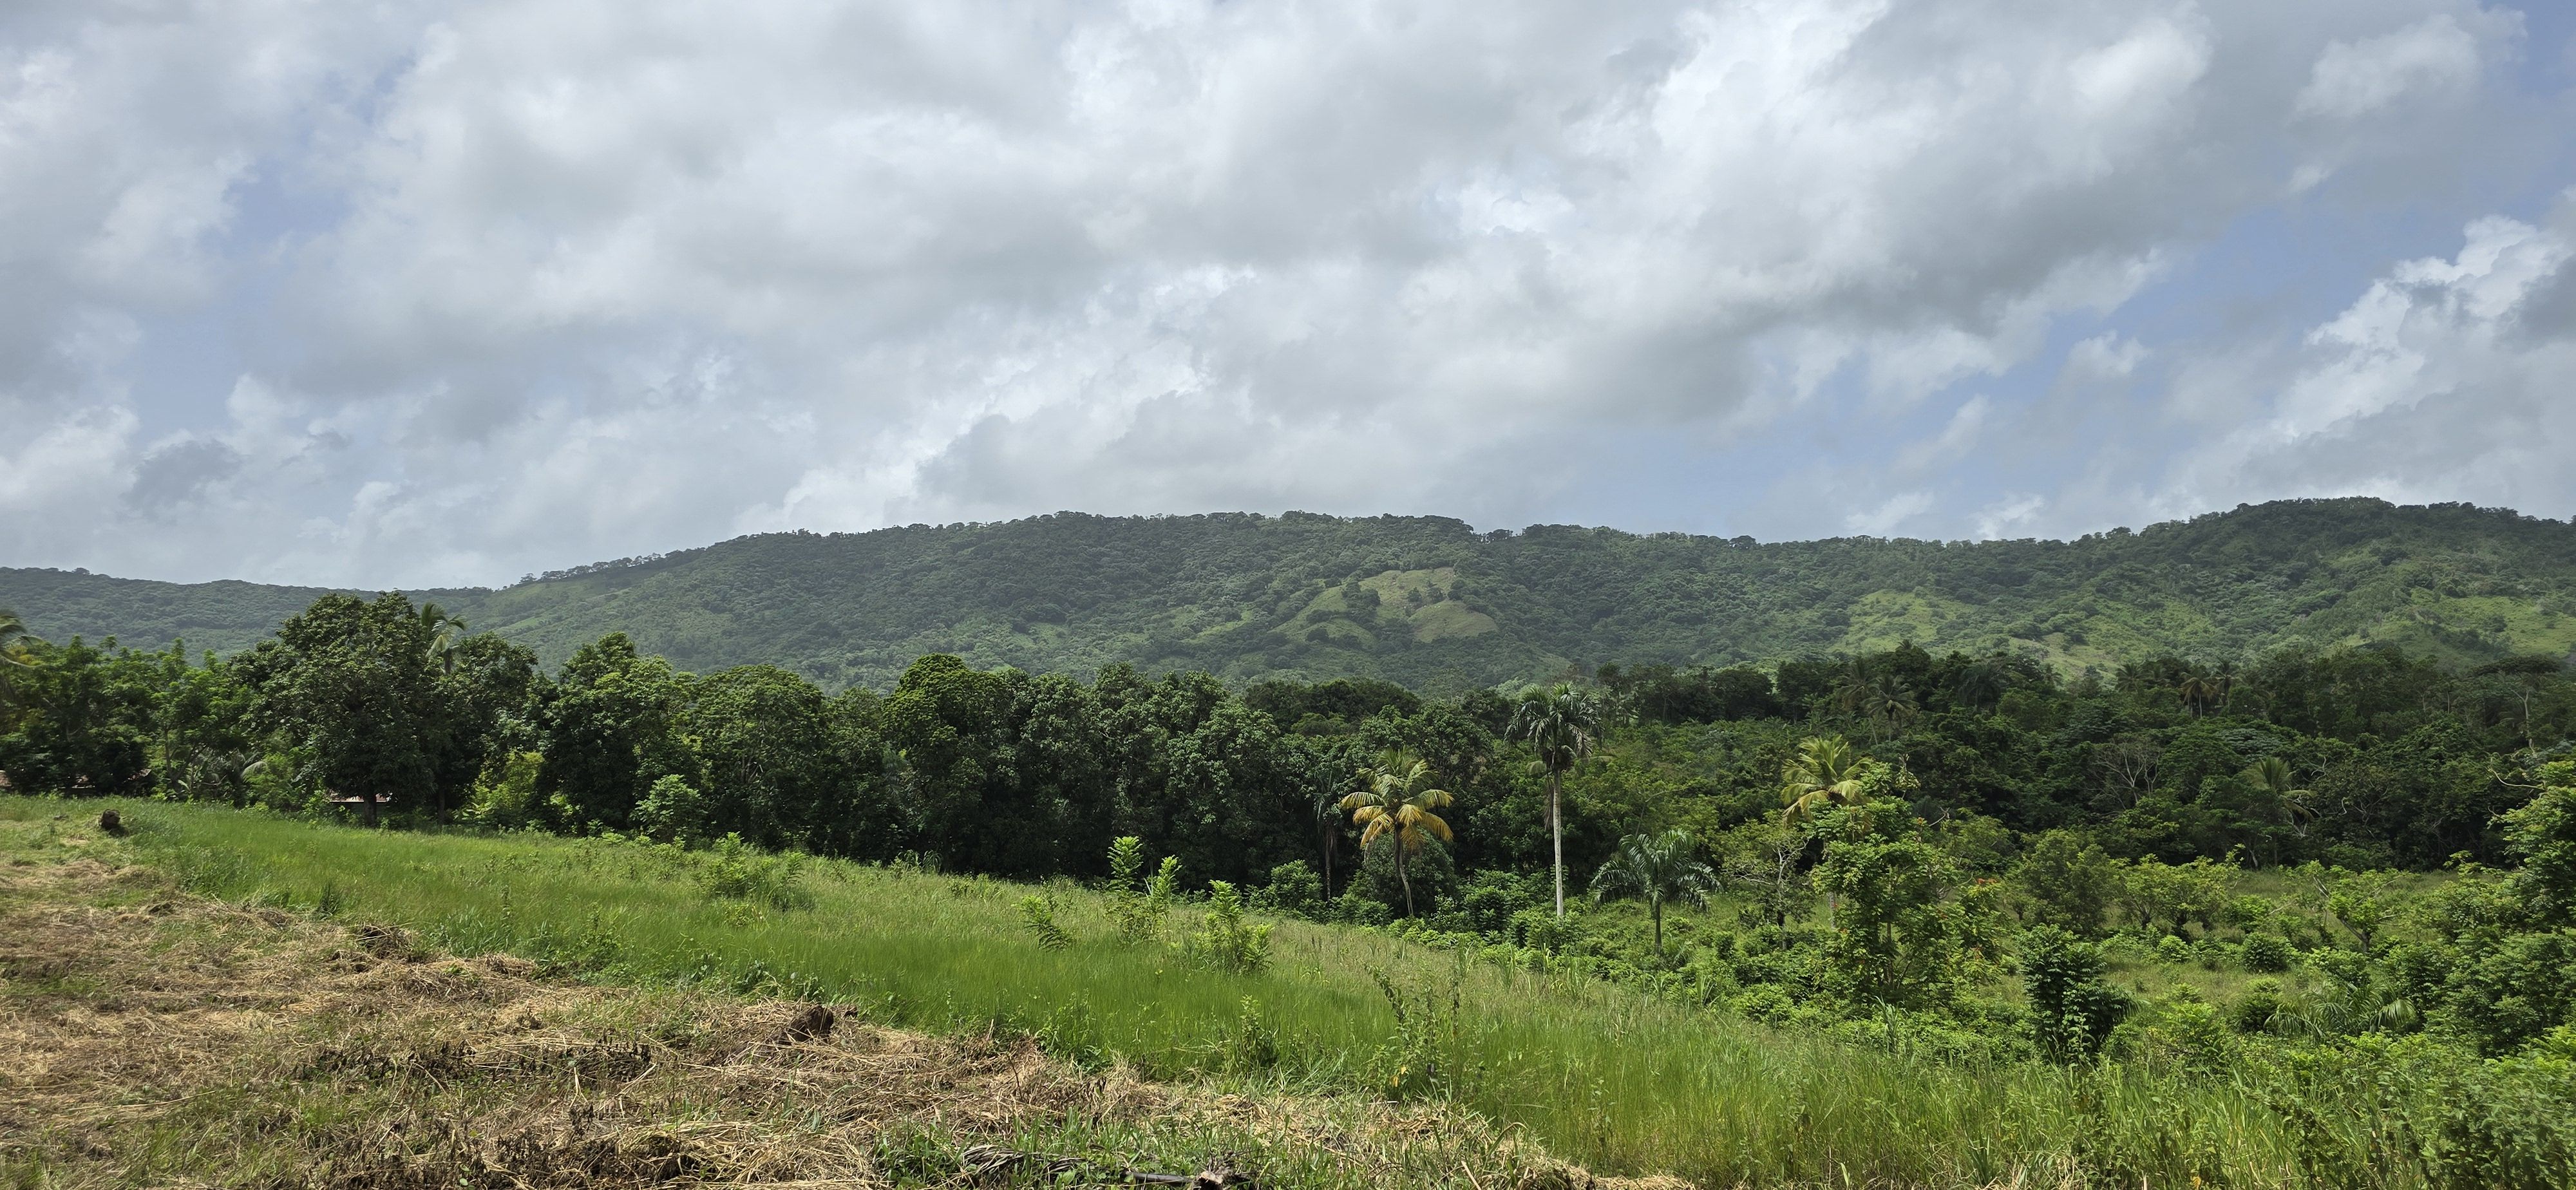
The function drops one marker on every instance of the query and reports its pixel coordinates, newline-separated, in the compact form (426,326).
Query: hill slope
(1428,601)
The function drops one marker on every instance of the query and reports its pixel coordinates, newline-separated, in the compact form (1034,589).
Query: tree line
(1890,826)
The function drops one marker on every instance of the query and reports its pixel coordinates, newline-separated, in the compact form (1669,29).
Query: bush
(2072,1012)
(1225,941)
(736,871)
(673,811)
(1295,890)
(2268,954)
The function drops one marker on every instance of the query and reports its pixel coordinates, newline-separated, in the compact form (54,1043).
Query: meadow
(1608,1076)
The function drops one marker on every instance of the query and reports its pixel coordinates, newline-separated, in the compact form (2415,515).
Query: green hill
(1432,603)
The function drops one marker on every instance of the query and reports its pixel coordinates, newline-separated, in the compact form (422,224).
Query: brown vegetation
(160,1039)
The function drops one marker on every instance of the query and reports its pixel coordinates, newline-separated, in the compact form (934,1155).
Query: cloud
(2444,380)
(437,292)
(2432,57)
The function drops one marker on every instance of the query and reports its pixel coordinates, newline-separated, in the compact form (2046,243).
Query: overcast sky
(389,293)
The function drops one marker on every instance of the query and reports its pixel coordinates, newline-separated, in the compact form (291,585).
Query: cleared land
(160,1038)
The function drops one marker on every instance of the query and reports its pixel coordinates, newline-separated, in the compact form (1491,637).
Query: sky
(397,293)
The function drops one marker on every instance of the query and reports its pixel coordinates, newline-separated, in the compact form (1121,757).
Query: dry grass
(156,1039)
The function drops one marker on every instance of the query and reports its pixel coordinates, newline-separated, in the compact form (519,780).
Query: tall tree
(1395,797)
(1656,868)
(1560,723)
(612,728)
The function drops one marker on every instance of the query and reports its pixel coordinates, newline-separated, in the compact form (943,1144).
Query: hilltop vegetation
(1427,602)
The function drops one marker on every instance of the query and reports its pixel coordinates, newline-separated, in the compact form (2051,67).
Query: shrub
(736,871)
(2072,1011)
(673,811)
(1226,942)
(1294,889)
(2268,954)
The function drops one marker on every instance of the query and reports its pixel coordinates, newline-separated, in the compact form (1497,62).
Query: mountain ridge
(1431,602)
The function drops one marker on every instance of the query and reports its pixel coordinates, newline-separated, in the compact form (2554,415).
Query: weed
(1227,942)
(1039,913)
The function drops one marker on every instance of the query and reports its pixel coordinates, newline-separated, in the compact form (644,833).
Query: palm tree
(1561,723)
(444,633)
(1395,795)
(2272,775)
(1824,771)
(13,654)
(2201,691)
(1328,824)
(1982,685)
(1658,868)
(1882,701)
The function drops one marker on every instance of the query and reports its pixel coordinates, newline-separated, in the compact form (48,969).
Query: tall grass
(1601,1075)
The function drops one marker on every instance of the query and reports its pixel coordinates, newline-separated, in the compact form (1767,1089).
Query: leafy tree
(83,721)
(611,728)
(2542,834)
(1657,869)
(1395,798)
(1905,933)
(1560,723)
(2070,882)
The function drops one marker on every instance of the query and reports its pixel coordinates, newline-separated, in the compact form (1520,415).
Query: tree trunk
(1401,877)
(1556,834)
(1655,908)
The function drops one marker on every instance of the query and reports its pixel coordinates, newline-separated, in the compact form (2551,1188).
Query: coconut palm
(1328,826)
(445,633)
(1561,724)
(1982,685)
(1824,771)
(2273,775)
(2202,692)
(1657,868)
(1395,796)
(13,654)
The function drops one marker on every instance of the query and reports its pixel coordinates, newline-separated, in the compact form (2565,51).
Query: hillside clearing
(159,1038)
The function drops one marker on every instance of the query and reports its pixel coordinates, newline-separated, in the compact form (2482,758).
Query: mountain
(1432,603)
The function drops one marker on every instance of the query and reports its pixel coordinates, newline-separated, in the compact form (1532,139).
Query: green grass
(1601,1075)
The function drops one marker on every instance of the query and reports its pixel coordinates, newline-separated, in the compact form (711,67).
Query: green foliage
(1039,913)
(1656,869)
(734,870)
(1246,596)
(1137,903)
(675,812)
(2072,1011)
(2069,882)
(2269,954)
(1226,941)
(1907,931)
(1294,889)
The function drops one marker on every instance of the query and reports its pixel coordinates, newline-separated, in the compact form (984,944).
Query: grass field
(1597,1074)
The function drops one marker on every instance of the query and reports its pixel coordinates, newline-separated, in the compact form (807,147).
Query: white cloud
(2445,380)
(2433,57)
(501,286)
(1887,517)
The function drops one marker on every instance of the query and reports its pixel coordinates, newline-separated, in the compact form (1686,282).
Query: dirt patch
(161,1039)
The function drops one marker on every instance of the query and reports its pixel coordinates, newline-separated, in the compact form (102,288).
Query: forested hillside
(1429,602)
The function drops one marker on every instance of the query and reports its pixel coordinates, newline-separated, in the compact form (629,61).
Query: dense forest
(1430,603)
(1950,845)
